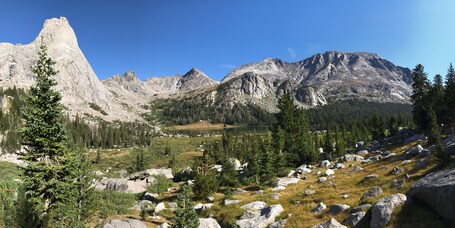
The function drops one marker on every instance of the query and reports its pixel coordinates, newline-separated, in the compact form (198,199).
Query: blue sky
(156,38)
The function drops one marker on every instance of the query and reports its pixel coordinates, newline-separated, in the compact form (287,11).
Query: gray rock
(391,155)
(167,172)
(414,150)
(373,192)
(129,223)
(437,190)
(210,198)
(422,163)
(357,168)
(370,177)
(149,196)
(275,196)
(229,202)
(285,181)
(363,153)
(254,206)
(279,224)
(309,192)
(340,166)
(375,158)
(363,207)
(338,209)
(352,157)
(381,212)
(417,137)
(303,169)
(396,170)
(266,217)
(250,214)
(208,223)
(163,225)
(159,207)
(345,196)
(239,191)
(122,173)
(329,172)
(203,206)
(398,184)
(325,164)
(121,185)
(322,179)
(141,203)
(354,219)
(332,223)
(172,205)
(319,208)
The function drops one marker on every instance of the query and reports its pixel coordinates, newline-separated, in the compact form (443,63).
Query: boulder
(210,198)
(285,181)
(279,188)
(322,179)
(167,172)
(236,163)
(413,151)
(239,191)
(357,168)
(14,158)
(416,137)
(373,192)
(203,206)
(375,158)
(437,190)
(325,164)
(159,207)
(275,196)
(340,166)
(381,212)
(309,192)
(278,224)
(149,196)
(164,225)
(303,169)
(338,209)
(319,208)
(254,206)
(363,207)
(362,152)
(420,164)
(332,223)
(129,223)
(229,201)
(264,219)
(397,184)
(121,185)
(391,155)
(329,172)
(172,205)
(355,219)
(141,203)
(396,170)
(208,223)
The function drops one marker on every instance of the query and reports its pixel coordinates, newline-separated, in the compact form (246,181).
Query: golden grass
(203,125)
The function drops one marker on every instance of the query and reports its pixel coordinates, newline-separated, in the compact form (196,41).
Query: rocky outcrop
(262,219)
(331,223)
(208,223)
(373,192)
(355,219)
(381,212)
(437,190)
(121,185)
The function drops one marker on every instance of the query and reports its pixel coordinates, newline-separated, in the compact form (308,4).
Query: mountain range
(315,81)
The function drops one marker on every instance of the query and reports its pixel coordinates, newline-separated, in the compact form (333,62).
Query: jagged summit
(57,31)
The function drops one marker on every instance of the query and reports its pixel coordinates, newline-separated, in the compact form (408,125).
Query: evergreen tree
(139,163)
(205,179)
(229,176)
(420,103)
(437,98)
(185,215)
(449,117)
(50,176)
(393,125)
(267,172)
(340,145)
(377,127)
(328,144)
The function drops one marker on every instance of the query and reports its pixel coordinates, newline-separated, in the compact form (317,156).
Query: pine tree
(340,144)
(437,98)
(185,215)
(449,117)
(50,176)
(328,144)
(420,90)
(139,163)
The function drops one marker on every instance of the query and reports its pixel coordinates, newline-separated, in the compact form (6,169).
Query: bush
(97,108)
(113,203)
(161,185)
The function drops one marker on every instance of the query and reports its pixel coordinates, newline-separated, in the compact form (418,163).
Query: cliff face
(76,80)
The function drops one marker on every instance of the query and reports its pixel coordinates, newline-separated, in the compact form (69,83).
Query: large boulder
(413,151)
(208,223)
(325,164)
(381,212)
(332,223)
(160,207)
(167,172)
(353,157)
(285,181)
(355,219)
(437,190)
(319,208)
(121,185)
(129,223)
(373,192)
(338,209)
(263,219)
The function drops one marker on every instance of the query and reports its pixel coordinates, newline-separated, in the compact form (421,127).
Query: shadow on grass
(416,214)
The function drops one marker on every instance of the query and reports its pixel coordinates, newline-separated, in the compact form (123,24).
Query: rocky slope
(76,80)
(322,78)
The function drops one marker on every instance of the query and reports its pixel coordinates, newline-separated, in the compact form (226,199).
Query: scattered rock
(159,207)
(319,208)
(375,158)
(329,172)
(338,209)
(129,223)
(303,169)
(149,196)
(13,158)
(210,198)
(332,223)
(172,205)
(422,163)
(345,196)
(355,219)
(340,166)
(266,217)
(396,170)
(437,190)
(285,181)
(279,188)
(141,203)
(239,191)
(398,184)
(167,172)
(254,206)
(98,173)
(416,137)
(363,207)
(391,155)
(405,162)
(208,223)
(414,150)
(122,173)
(278,224)
(250,214)
(362,152)
(309,192)
(322,179)
(370,177)
(357,168)
(275,196)
(236,163)
(382,211)
(373,192)
(259,192)
(163,225)
(229,201)
(203,207)
(121,185)
(325,164)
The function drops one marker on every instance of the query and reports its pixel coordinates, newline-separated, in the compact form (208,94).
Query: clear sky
(156,38)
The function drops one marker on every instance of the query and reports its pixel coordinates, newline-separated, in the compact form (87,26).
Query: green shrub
(97,108)
(161,185)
